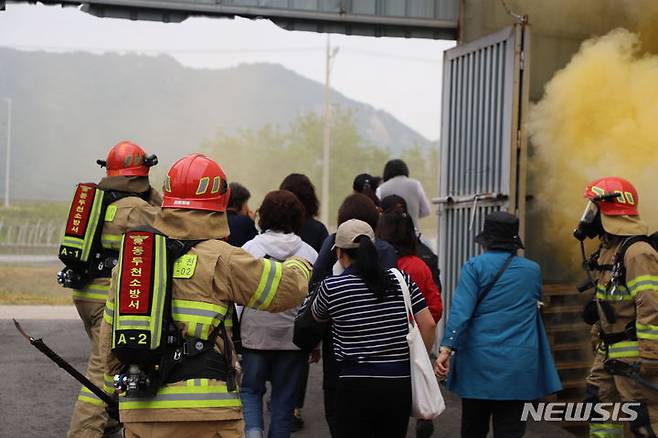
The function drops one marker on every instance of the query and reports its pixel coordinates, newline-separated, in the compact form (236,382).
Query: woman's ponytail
(366,262)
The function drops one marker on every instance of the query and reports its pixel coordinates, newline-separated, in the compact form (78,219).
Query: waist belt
(207,365)
(630,334)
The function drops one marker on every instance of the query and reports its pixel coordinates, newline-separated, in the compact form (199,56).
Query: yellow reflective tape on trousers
(299,265)
(642,283)
(646,331)
(95,292)
(193,393)
(606,430)
(620,294)
(267,286)
(624,349)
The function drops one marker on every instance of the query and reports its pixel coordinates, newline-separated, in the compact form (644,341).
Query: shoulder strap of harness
(619,269)
(183,359)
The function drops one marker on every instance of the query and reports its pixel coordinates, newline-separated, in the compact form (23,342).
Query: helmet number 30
(622,197)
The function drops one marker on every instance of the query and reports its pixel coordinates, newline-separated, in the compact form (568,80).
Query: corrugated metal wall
(479,148)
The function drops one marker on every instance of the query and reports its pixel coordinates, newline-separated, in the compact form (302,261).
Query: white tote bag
(426,399)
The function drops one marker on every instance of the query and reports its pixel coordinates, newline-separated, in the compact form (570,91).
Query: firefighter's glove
(649,367)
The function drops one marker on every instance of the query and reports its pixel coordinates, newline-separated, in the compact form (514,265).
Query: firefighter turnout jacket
(216,276)
(633,306)
(89,417)
(627,331)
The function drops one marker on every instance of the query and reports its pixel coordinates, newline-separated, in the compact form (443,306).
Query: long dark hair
(397,228)
(302,187)
(395,168)
(366,264)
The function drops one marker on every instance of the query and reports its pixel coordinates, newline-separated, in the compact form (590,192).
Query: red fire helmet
(127,159)
(614,196)
(196,182)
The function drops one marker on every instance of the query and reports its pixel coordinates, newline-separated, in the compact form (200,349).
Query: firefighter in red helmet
(125,200)
(196,392)
(624,312)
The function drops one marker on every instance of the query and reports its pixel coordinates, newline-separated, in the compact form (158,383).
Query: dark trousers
(283,370)
(301,388)
(506,415)
(372,407)
(329,383)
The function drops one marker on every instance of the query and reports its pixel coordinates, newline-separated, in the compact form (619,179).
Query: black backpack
(428,256)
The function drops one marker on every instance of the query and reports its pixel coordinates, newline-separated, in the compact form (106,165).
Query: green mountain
(68,109)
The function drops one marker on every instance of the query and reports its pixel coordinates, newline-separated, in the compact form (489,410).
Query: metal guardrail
(39,234)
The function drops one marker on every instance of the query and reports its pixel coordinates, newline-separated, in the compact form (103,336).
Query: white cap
(348,232)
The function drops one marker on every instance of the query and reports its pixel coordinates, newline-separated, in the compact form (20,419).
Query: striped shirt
(368,333)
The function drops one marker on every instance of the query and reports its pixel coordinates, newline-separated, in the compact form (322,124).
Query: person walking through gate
(132,202)
(268,352)
(397,182)
(495,337)
(369,329)
(240,218)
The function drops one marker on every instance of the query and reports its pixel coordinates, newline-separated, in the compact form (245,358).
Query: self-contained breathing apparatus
(145,338)
(590,227)
(81,250)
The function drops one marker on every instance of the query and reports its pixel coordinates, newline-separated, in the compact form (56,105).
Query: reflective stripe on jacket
(636,301)
(222,275)
(120,216)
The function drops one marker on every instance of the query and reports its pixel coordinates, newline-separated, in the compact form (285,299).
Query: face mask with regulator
(590,227)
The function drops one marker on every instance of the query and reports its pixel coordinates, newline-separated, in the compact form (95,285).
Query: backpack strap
(618,267)
(493,282)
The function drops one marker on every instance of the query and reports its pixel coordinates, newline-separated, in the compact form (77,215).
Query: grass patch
(36,210)
(32,284)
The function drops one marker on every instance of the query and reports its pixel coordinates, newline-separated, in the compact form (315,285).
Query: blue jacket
(502,352)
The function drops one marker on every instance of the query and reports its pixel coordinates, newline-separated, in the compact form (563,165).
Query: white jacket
(262,330)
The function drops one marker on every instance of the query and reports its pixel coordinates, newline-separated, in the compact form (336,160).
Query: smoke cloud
(598,117)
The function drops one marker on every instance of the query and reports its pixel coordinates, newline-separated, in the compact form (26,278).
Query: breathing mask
(590,223)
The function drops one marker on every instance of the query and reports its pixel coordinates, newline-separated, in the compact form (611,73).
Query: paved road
(36,397)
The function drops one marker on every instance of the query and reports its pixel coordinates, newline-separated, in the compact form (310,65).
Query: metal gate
(483,143)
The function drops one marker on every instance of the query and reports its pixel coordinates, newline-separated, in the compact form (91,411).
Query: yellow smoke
(598,117)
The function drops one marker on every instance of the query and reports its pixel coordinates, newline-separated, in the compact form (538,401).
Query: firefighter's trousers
(190,429)
(604,387)
(89,418)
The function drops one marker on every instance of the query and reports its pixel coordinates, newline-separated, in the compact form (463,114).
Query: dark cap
(501,231)
(360,182)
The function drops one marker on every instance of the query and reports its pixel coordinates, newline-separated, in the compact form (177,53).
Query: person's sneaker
(297,421)
(424,428)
